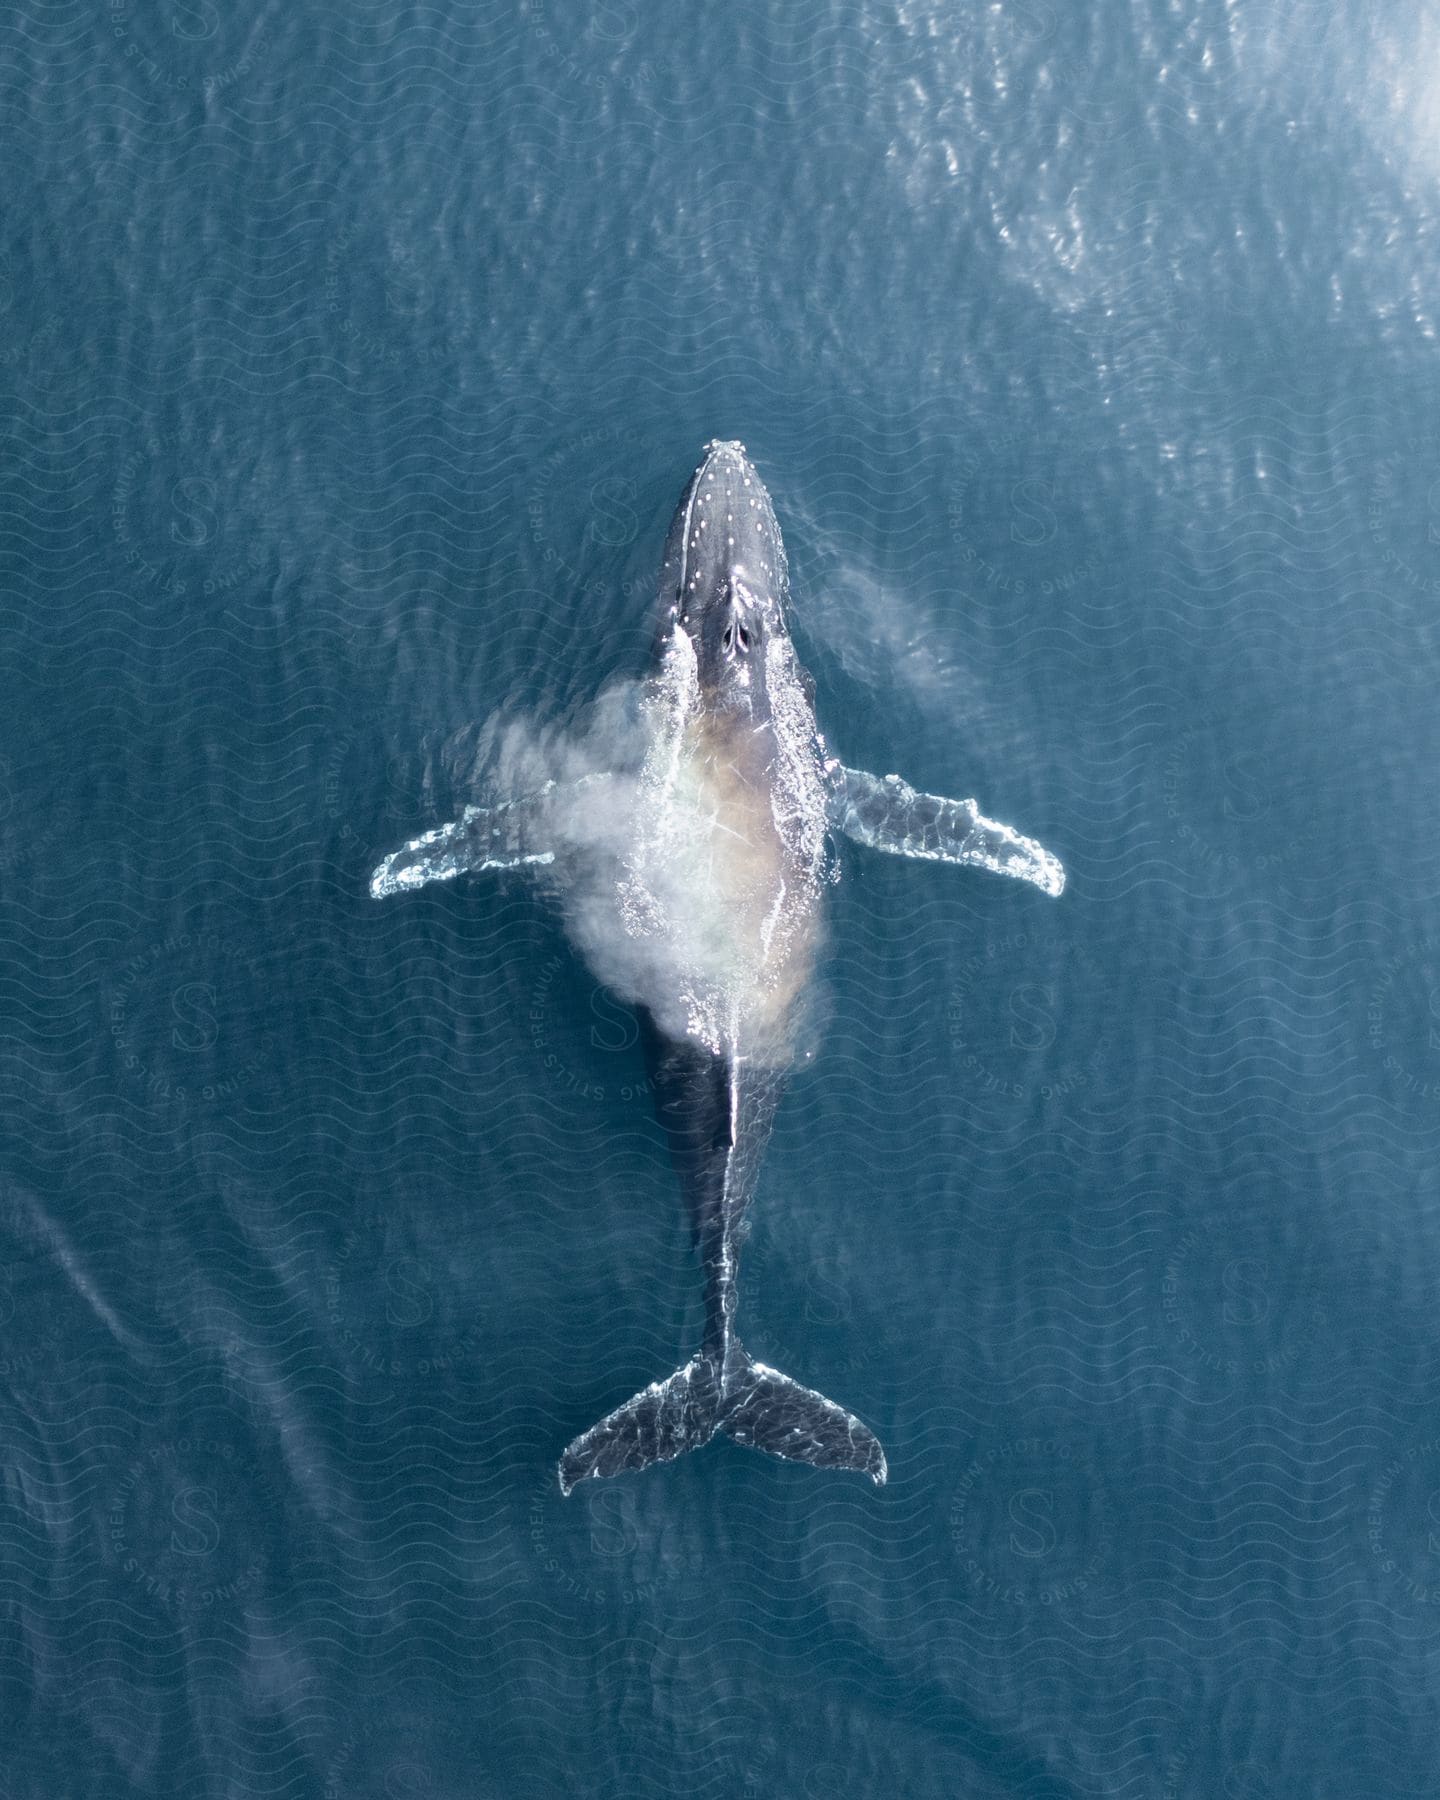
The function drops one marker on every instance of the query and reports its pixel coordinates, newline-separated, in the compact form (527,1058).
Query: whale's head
(723,578)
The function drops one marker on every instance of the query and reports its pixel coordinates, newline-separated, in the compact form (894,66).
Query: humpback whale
(693,869)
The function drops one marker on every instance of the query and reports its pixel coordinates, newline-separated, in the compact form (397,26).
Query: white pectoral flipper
(514,835)
(888,814)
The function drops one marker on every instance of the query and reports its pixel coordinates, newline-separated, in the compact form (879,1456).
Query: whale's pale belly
(749,909)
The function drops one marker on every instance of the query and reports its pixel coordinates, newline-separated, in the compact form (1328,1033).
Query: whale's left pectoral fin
(515,835)
(888,814)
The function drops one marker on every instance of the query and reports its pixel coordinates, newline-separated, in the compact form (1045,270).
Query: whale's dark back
(725,521)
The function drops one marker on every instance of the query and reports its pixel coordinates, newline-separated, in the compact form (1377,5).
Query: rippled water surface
(353,359)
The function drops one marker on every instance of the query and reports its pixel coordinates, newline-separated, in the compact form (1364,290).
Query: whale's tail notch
(749,1402)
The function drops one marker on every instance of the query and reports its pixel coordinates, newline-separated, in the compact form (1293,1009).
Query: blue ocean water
(353,359)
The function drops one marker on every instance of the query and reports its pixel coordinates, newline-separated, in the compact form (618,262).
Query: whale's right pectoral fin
(888,814)
(514,835)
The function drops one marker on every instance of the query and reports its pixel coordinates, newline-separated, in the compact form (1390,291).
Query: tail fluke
(662,1422)
(756,1405)
(777,1415)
